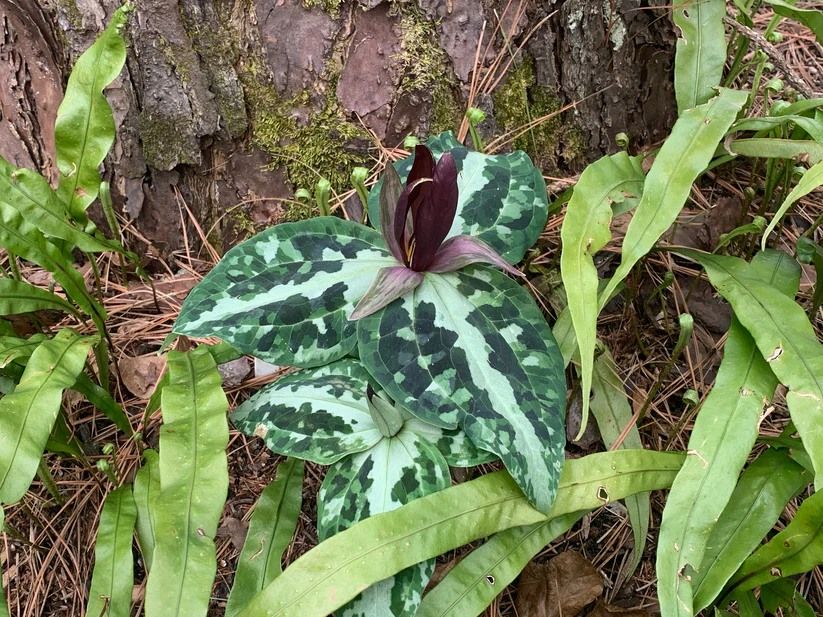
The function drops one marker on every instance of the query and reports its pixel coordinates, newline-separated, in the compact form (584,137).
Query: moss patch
(309,149)
(552,144)
(332,7)
(423,64)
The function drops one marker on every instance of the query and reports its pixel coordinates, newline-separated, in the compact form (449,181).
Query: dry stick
(763,45)
(464,123)
(509,136)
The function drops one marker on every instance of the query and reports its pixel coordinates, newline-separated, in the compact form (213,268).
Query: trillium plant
(427,313)
(416,220)
(381,457)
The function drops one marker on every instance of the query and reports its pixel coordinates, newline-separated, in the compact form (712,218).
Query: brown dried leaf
(607,610)
(141,374)
(234,529)
(560,588)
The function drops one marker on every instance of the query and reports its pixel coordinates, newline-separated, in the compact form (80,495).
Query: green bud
(302,195)
(475,116)
(410,142)
(322,191)
(622,140)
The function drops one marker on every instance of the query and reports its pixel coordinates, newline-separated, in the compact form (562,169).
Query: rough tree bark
(229,105)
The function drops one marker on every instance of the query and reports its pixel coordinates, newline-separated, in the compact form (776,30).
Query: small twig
(762,44)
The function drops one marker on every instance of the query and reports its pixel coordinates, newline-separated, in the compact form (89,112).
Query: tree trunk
(226,107)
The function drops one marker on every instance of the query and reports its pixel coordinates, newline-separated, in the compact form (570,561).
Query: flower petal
(461,251)
(389,197)
(391,283)
(434,218)
(415,193)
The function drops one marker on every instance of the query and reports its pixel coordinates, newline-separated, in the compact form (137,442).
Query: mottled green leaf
(193,486)
(321,581)
(612,179)
(481,576)
(682,158)
(501,198)
(146,490)
(721,440)
(700,51)
(612,412)
(471,347)
(755,506)
(775,148)
(28,193)
(383,478)
(28,413)
(113,576)
(456,448)
(319,414)
(784,336)
(285,295)
(84,129)
(271,528)
(796,549)
(812,18)
(21,297)
(811,179)
(394,472)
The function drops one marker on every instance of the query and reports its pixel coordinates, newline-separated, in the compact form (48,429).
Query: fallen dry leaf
(560,588)
(234,529)
(607,610)
(141,374)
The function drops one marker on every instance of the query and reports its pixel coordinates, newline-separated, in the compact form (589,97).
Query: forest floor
(49,554)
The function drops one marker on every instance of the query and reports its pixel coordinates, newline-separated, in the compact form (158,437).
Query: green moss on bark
(332,7)
(555,142)
(308,148)
(425,67)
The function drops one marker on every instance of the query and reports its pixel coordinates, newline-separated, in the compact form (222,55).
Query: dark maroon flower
(415,221)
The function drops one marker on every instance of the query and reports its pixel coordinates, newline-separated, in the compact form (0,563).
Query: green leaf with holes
(471,586)
(471,348)
(387,543)
(700,51)
(285,295)
(758,500)
(743,387)
(501,198)
(785,338)
(796,549)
